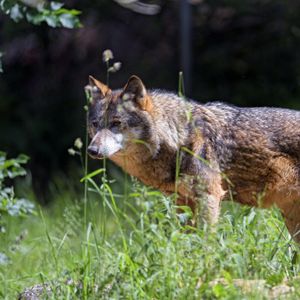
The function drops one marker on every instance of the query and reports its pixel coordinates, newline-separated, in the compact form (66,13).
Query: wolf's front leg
(287,199)
(206,198)
(291,214)
(208,209)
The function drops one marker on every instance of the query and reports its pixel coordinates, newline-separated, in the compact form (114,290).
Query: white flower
(117,66)
(71,151)
(78,143)
(107,55)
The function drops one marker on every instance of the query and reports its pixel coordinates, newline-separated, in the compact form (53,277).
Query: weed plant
(140,250)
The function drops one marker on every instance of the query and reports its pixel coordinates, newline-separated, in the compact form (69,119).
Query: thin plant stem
(181,90)
(107,73)
(85,174)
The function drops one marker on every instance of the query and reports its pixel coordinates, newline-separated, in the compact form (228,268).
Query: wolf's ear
(102,88)
(136,91)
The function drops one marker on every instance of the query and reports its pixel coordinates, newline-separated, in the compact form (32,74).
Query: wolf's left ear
(136,91)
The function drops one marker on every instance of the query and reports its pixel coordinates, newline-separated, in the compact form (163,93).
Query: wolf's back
(281,127)
(251,130)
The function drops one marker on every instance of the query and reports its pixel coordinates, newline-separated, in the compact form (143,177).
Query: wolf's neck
(171,118)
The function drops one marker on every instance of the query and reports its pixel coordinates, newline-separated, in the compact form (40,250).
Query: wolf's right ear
(101,87)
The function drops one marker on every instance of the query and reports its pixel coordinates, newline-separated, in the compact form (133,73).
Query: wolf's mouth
(99,156)
(96,156)
(94,153)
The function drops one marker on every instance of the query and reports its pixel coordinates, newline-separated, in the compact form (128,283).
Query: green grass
(134,247)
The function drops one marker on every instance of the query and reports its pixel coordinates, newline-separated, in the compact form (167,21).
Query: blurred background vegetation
(241,52)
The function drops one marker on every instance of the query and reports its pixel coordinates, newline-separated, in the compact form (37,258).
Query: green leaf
(35,19)
(52,13)
(16,13)
(219,290)
(56,5)
(93,174)
(22,158)
(51,20)
(73,12)
(20,207)
(67,20)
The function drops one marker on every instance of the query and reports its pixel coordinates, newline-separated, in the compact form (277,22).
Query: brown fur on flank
(253,153)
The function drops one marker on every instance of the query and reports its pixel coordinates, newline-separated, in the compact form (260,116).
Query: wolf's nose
(92,150)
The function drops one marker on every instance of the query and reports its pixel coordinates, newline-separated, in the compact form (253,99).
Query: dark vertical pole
(185,43)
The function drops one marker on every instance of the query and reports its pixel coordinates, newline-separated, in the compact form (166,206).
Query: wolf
(205,153)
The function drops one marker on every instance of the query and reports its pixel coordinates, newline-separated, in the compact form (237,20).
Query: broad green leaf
(51,21)
(67,21)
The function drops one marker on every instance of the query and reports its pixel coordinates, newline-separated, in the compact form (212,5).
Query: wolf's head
(117,119)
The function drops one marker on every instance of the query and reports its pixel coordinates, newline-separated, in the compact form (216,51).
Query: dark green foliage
(36,12)
(39,11)
(10,205)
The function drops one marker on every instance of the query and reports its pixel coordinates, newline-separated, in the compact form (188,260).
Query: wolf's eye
(95,124)
(115,123)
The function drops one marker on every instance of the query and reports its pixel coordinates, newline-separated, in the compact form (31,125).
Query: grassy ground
(134,247)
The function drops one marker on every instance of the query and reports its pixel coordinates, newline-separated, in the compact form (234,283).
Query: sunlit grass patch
(135,247)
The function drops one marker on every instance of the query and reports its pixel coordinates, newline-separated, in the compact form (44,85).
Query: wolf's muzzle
(93,152)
